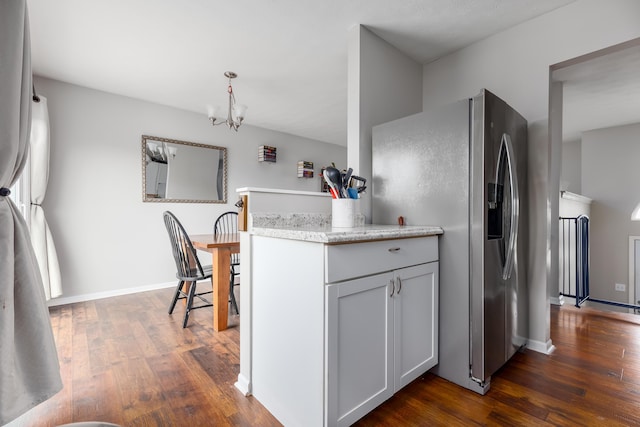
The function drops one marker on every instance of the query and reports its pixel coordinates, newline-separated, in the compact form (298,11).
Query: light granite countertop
(360,233)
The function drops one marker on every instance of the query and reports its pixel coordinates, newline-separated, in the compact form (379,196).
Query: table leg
(185,288)
(222,269)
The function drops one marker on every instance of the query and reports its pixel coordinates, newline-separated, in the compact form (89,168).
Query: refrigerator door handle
(506,148)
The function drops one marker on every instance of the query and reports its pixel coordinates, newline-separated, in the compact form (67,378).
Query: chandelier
(235,112)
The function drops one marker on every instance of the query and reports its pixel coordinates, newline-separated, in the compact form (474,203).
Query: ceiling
(600,90)
(290,55)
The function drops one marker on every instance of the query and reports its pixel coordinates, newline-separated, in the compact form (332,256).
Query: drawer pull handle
(393,287)
(394,249)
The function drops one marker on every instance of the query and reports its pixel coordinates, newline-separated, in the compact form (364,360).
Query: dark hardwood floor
(591,379)
(125,361)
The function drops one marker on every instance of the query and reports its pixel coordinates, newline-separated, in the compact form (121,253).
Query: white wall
(610,177)
(514,64)
(108,240)
(571,174)
(384,85)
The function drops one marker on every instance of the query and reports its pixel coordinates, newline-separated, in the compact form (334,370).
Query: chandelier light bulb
(210,111)
(239,111)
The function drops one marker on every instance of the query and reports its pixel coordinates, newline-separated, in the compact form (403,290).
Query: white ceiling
(290,55)
(601,90)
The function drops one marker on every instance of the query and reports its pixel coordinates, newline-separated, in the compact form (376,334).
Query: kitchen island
(341,318)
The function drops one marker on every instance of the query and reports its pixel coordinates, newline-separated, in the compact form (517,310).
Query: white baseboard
(541,347)
(243,385)
(559,300)
(106,294)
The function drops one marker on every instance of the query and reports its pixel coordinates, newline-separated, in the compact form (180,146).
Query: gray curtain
(29,368)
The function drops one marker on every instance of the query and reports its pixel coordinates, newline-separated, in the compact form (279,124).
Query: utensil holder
(343,213)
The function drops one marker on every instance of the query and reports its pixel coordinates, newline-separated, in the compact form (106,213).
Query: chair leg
(234,304)
(232,295)
(176,296)
(192,291)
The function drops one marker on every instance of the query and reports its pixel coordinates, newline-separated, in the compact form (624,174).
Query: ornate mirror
(183,172)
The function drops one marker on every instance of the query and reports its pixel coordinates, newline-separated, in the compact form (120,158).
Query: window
(21,194)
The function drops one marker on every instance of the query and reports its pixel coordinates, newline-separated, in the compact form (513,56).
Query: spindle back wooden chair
(189,271)
(227,223)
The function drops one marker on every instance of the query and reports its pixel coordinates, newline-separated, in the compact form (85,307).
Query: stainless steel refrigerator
(464,167)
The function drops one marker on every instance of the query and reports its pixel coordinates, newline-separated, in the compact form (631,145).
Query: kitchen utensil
(347,178)
(332,187)
(334,179)
(359,183)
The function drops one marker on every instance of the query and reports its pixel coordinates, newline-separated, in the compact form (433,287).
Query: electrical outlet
(621,287)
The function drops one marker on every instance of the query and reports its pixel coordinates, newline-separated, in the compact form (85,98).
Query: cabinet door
(415,322)
(359,346)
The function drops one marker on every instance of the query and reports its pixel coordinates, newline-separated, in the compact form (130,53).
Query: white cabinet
(381,335)
(359,347)
(415,322)
(337,329)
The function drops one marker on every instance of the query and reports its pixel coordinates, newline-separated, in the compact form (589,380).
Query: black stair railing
(574,252)
(574,263)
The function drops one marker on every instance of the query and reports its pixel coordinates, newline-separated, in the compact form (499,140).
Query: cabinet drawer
(361,259)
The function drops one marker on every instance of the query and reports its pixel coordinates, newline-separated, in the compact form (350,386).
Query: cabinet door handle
(399,286)
(393,287)
(394,249)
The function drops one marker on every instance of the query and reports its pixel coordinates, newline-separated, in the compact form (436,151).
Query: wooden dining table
(221,246)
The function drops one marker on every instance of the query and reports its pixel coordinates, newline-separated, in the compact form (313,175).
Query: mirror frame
(146,138)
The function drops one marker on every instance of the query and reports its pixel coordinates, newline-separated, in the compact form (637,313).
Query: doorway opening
(594,125)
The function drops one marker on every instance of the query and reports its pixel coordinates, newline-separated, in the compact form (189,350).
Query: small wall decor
(267,153)
(305,169)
